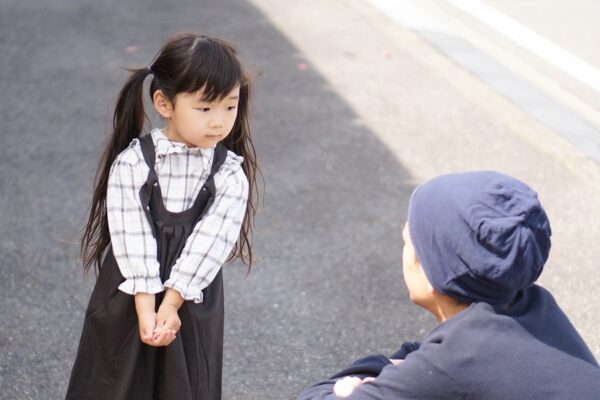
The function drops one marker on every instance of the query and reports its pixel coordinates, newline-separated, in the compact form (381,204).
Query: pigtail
(240,142)
(128,122)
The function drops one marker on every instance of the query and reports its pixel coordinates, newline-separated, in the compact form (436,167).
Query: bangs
(212,68)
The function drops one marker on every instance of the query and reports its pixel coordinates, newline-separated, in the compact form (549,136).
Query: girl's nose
(215,123)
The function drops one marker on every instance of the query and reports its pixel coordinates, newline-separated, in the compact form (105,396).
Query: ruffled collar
(164,146)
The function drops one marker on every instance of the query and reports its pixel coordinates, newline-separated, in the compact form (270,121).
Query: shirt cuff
(191,293)
(141,285)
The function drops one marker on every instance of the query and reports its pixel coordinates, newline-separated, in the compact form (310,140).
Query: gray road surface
(341,146)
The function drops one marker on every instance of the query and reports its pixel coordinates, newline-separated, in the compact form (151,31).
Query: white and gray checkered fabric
(182,171)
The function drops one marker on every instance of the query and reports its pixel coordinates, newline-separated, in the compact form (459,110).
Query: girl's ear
(162,105)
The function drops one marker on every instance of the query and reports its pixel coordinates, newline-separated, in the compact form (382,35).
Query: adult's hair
(187,63)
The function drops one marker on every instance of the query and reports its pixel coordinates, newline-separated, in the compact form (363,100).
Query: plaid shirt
(182,171)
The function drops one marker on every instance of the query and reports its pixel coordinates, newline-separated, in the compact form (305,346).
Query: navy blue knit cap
(480,236)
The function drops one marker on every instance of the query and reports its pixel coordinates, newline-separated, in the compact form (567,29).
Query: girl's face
(196,122)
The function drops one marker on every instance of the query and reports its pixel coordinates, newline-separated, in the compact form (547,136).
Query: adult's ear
(430,289)
(162,105)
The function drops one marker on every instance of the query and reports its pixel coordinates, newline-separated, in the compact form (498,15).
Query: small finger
(146,334)
(159,338)
(168,340)
(161,330)
(168,337)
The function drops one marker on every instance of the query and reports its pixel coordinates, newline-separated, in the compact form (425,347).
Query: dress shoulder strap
(146,190)
(219,157)
(147,146)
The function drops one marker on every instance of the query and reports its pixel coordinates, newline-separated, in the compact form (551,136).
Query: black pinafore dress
(112,363)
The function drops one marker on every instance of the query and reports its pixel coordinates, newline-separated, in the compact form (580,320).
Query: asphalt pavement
(350,112)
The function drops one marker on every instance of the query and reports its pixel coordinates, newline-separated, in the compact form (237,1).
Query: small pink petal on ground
(387,54)
(302,66)
(131,49)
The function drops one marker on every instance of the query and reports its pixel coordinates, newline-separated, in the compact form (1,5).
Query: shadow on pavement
(327,287)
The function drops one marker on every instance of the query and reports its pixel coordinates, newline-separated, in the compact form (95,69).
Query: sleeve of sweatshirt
(416,378)
(370,366)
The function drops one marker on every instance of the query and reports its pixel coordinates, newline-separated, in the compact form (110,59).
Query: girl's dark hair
(187,63)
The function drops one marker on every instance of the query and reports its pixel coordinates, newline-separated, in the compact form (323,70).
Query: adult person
(474,245)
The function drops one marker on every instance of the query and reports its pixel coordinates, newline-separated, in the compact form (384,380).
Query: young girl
(168,209)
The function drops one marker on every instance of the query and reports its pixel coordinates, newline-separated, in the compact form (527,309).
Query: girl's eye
(203,109)
(231,108)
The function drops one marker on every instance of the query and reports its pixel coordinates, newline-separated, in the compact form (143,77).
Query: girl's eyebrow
(203,100)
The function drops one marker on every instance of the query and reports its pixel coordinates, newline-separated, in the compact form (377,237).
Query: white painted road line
(457,43)
(532,41)
(409,15)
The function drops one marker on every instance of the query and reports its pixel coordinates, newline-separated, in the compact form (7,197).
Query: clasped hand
(158,328)
(345,386)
